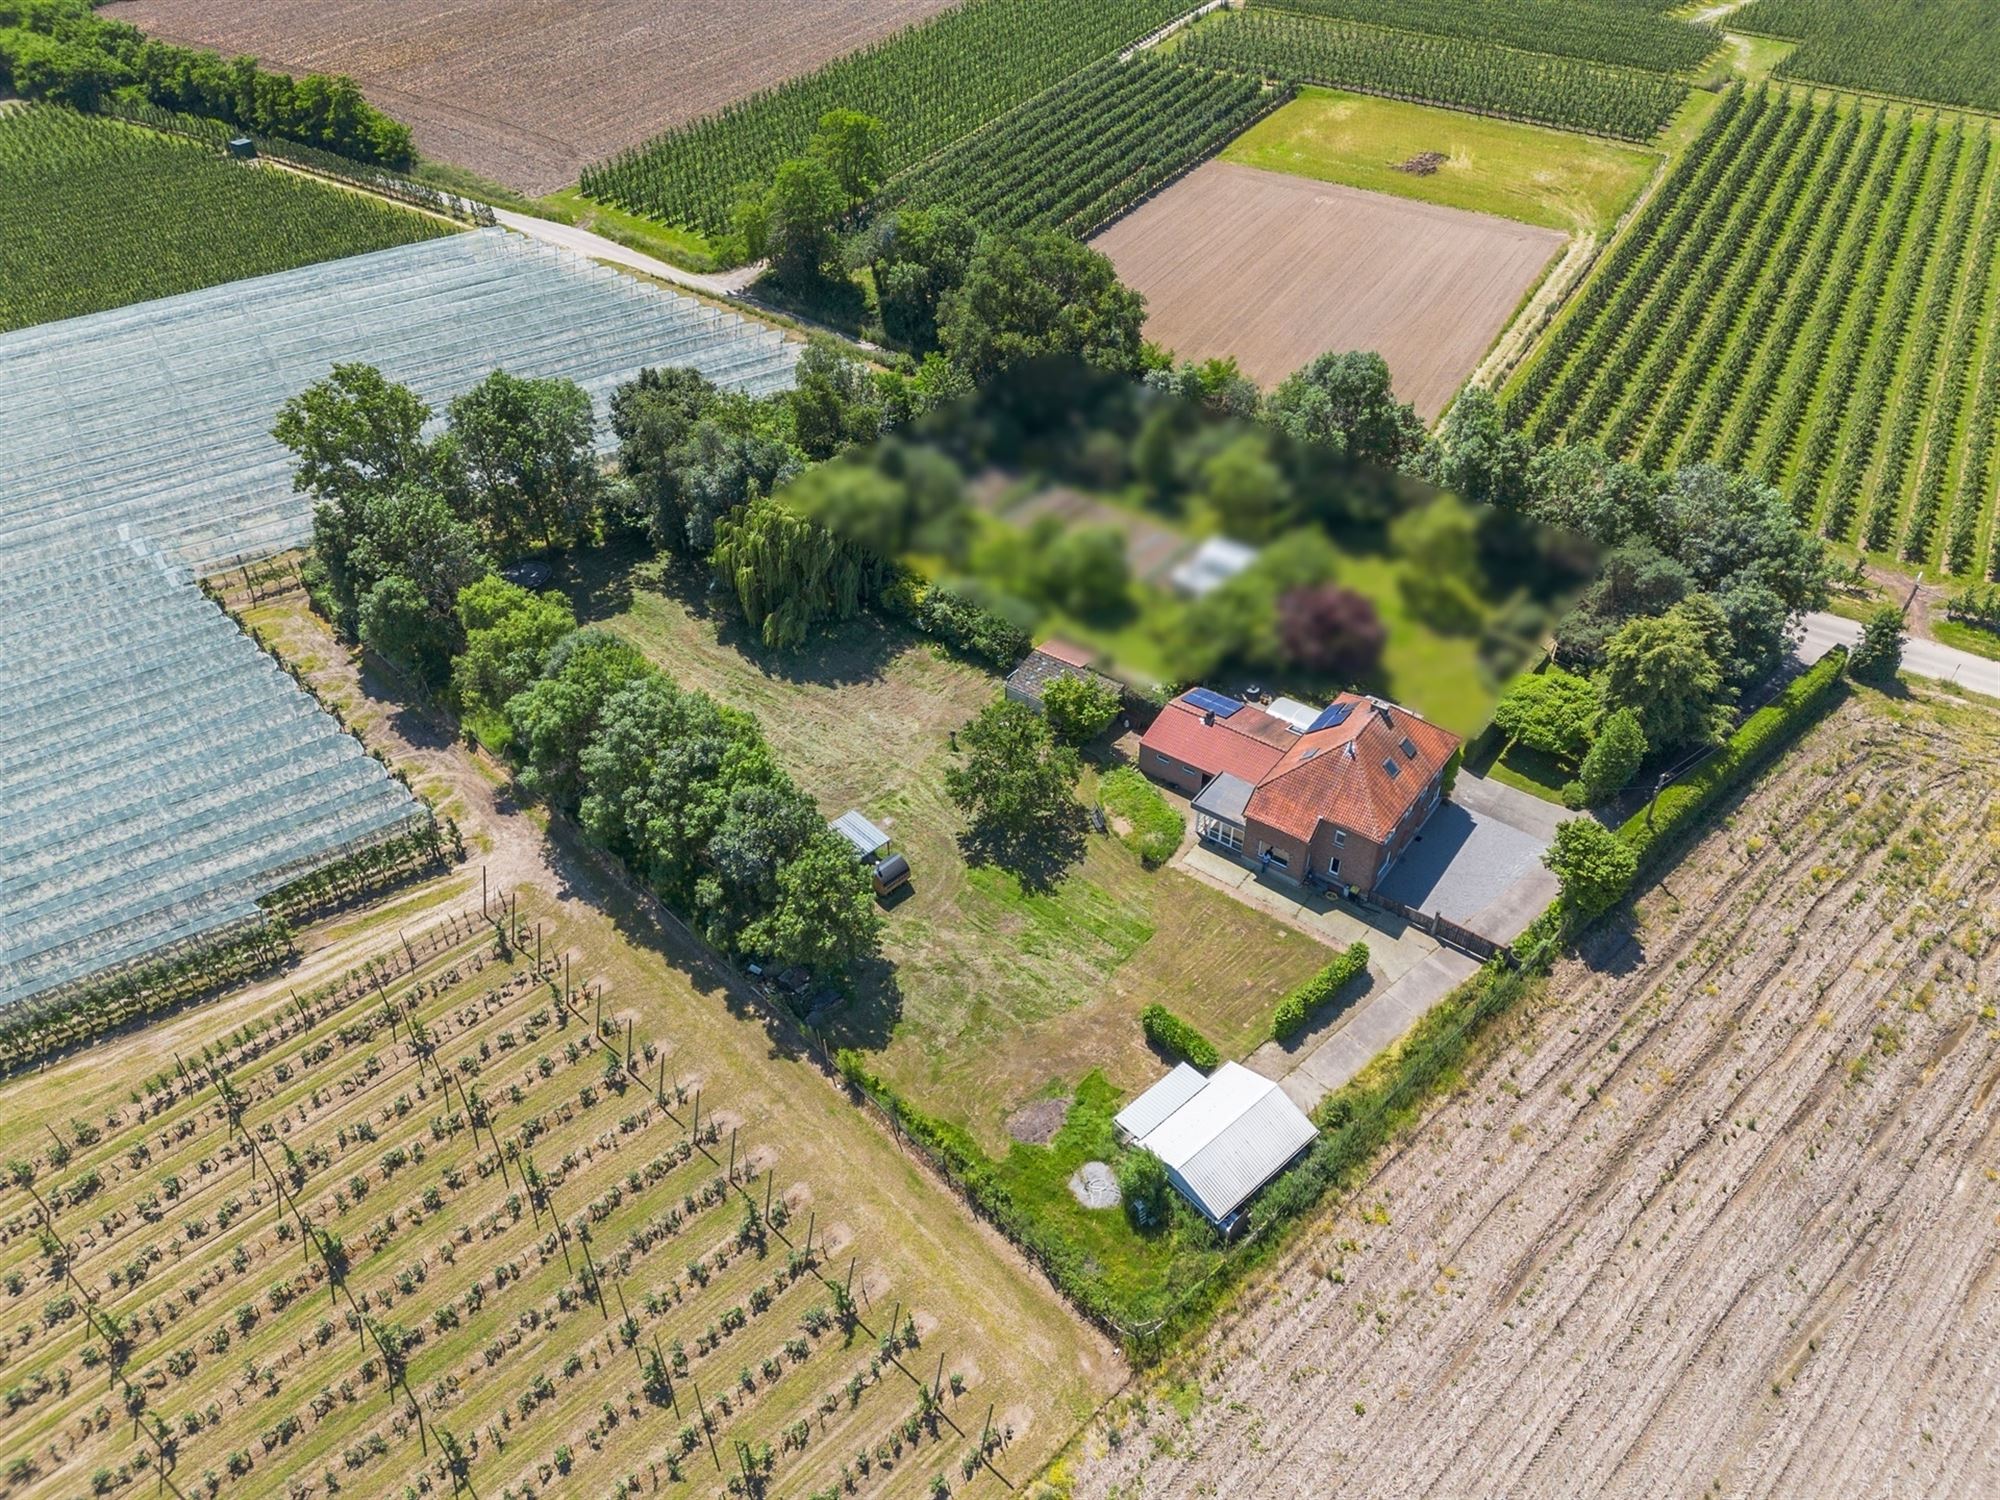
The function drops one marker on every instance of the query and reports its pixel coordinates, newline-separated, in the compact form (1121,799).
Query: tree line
(61,50)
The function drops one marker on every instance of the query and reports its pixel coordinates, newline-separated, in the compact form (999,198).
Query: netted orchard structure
(158,416)
(159,771)
(159,774)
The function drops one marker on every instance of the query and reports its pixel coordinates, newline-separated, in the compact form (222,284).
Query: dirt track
(1277,270)
(1719,1219)
(530,94)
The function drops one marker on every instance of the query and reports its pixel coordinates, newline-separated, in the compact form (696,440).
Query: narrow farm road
(1921,658)
(597,247)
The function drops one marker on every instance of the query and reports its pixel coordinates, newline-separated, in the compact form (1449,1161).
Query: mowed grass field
(526,1221)
(1276,269)
(994,993)
(1553,178)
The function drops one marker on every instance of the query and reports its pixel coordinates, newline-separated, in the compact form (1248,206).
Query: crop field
(1595,30)
(1079,153)
(1716,1217)
(505,1204)
(1811,295)
(100,215)
(1526,172)
(1277,269)
(528,95)
(930,86)
(1480,76)
(1942,51)
(994,992)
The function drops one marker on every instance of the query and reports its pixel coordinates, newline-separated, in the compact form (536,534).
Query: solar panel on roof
(1210,702)
(1330,716)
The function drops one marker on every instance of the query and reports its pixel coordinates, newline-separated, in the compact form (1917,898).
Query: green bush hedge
(1167,1030)
(1297,1007)
(1655,830)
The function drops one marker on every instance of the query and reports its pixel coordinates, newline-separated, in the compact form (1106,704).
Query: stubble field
(1718,1218)
(530,94)
(1276,270)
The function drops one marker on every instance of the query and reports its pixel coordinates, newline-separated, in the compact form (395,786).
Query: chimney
(1208,716)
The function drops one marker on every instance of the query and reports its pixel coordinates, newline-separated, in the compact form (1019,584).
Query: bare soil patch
(1718,1217)
(1277,270)
(527,93)
(1423,164)
(1036,1124)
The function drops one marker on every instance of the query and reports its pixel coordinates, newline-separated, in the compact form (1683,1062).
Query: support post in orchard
(628,1044)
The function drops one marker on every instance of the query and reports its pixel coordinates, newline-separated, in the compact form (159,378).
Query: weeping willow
(790,574)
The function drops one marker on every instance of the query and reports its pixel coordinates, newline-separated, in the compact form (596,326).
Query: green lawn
(1533,772)
(1966,638)
(994,988)
(677,247)
(1524,172)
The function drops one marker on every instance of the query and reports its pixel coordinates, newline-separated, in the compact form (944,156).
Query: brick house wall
(1183,778)
(1362,860)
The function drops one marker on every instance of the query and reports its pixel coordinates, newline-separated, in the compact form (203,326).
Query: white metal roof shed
(1228,1139)
(867,839)
(1146,1112)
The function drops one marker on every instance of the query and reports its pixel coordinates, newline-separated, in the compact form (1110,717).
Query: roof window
(1392,768)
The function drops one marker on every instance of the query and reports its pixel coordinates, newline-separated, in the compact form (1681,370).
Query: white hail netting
(158,773)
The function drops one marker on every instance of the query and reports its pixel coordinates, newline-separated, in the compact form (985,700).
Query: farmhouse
(1333,799)
(1220,1138)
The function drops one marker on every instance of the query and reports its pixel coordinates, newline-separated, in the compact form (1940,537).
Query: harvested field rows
(528,94)
(469,1211)
(1717,1218)
(1276,270)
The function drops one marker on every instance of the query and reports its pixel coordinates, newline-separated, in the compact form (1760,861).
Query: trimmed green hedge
(1167,1030)
(1659,827)
(1297,1007)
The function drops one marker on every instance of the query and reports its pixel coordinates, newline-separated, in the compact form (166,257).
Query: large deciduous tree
(1594,867)
(1032,295)
(1012,780)
(1664,669)
(528,451)
(1346,403)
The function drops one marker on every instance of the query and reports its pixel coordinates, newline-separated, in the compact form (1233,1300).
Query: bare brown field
(1717,1218)
(1277,269)
(529,94)
(531,1213)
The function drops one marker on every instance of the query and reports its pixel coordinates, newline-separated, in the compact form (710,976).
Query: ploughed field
(444,1211)
(1718,1217)
(529,94)
(1275,270)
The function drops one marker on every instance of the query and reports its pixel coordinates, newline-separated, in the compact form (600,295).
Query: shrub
(1879,655)
(1142,1186)
(1596,867)
(1658,826)
(1614,756)
(1297,1007)
(1157,825)
(1079,709)
(1169,1032)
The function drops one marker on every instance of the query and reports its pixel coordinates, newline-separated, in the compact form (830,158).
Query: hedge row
(1297,1007)
(1658,829)
(1166,1030)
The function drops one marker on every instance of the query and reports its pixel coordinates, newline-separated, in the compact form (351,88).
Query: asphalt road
(1920,658)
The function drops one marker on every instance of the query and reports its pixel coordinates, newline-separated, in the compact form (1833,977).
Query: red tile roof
(1341,774)
(1066,652)
(1248,743)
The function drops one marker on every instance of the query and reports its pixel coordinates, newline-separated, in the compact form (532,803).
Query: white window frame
(1340,838)
(1333,865)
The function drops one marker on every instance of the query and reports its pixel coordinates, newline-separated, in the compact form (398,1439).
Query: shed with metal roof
(867,839)
(1224,1140)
